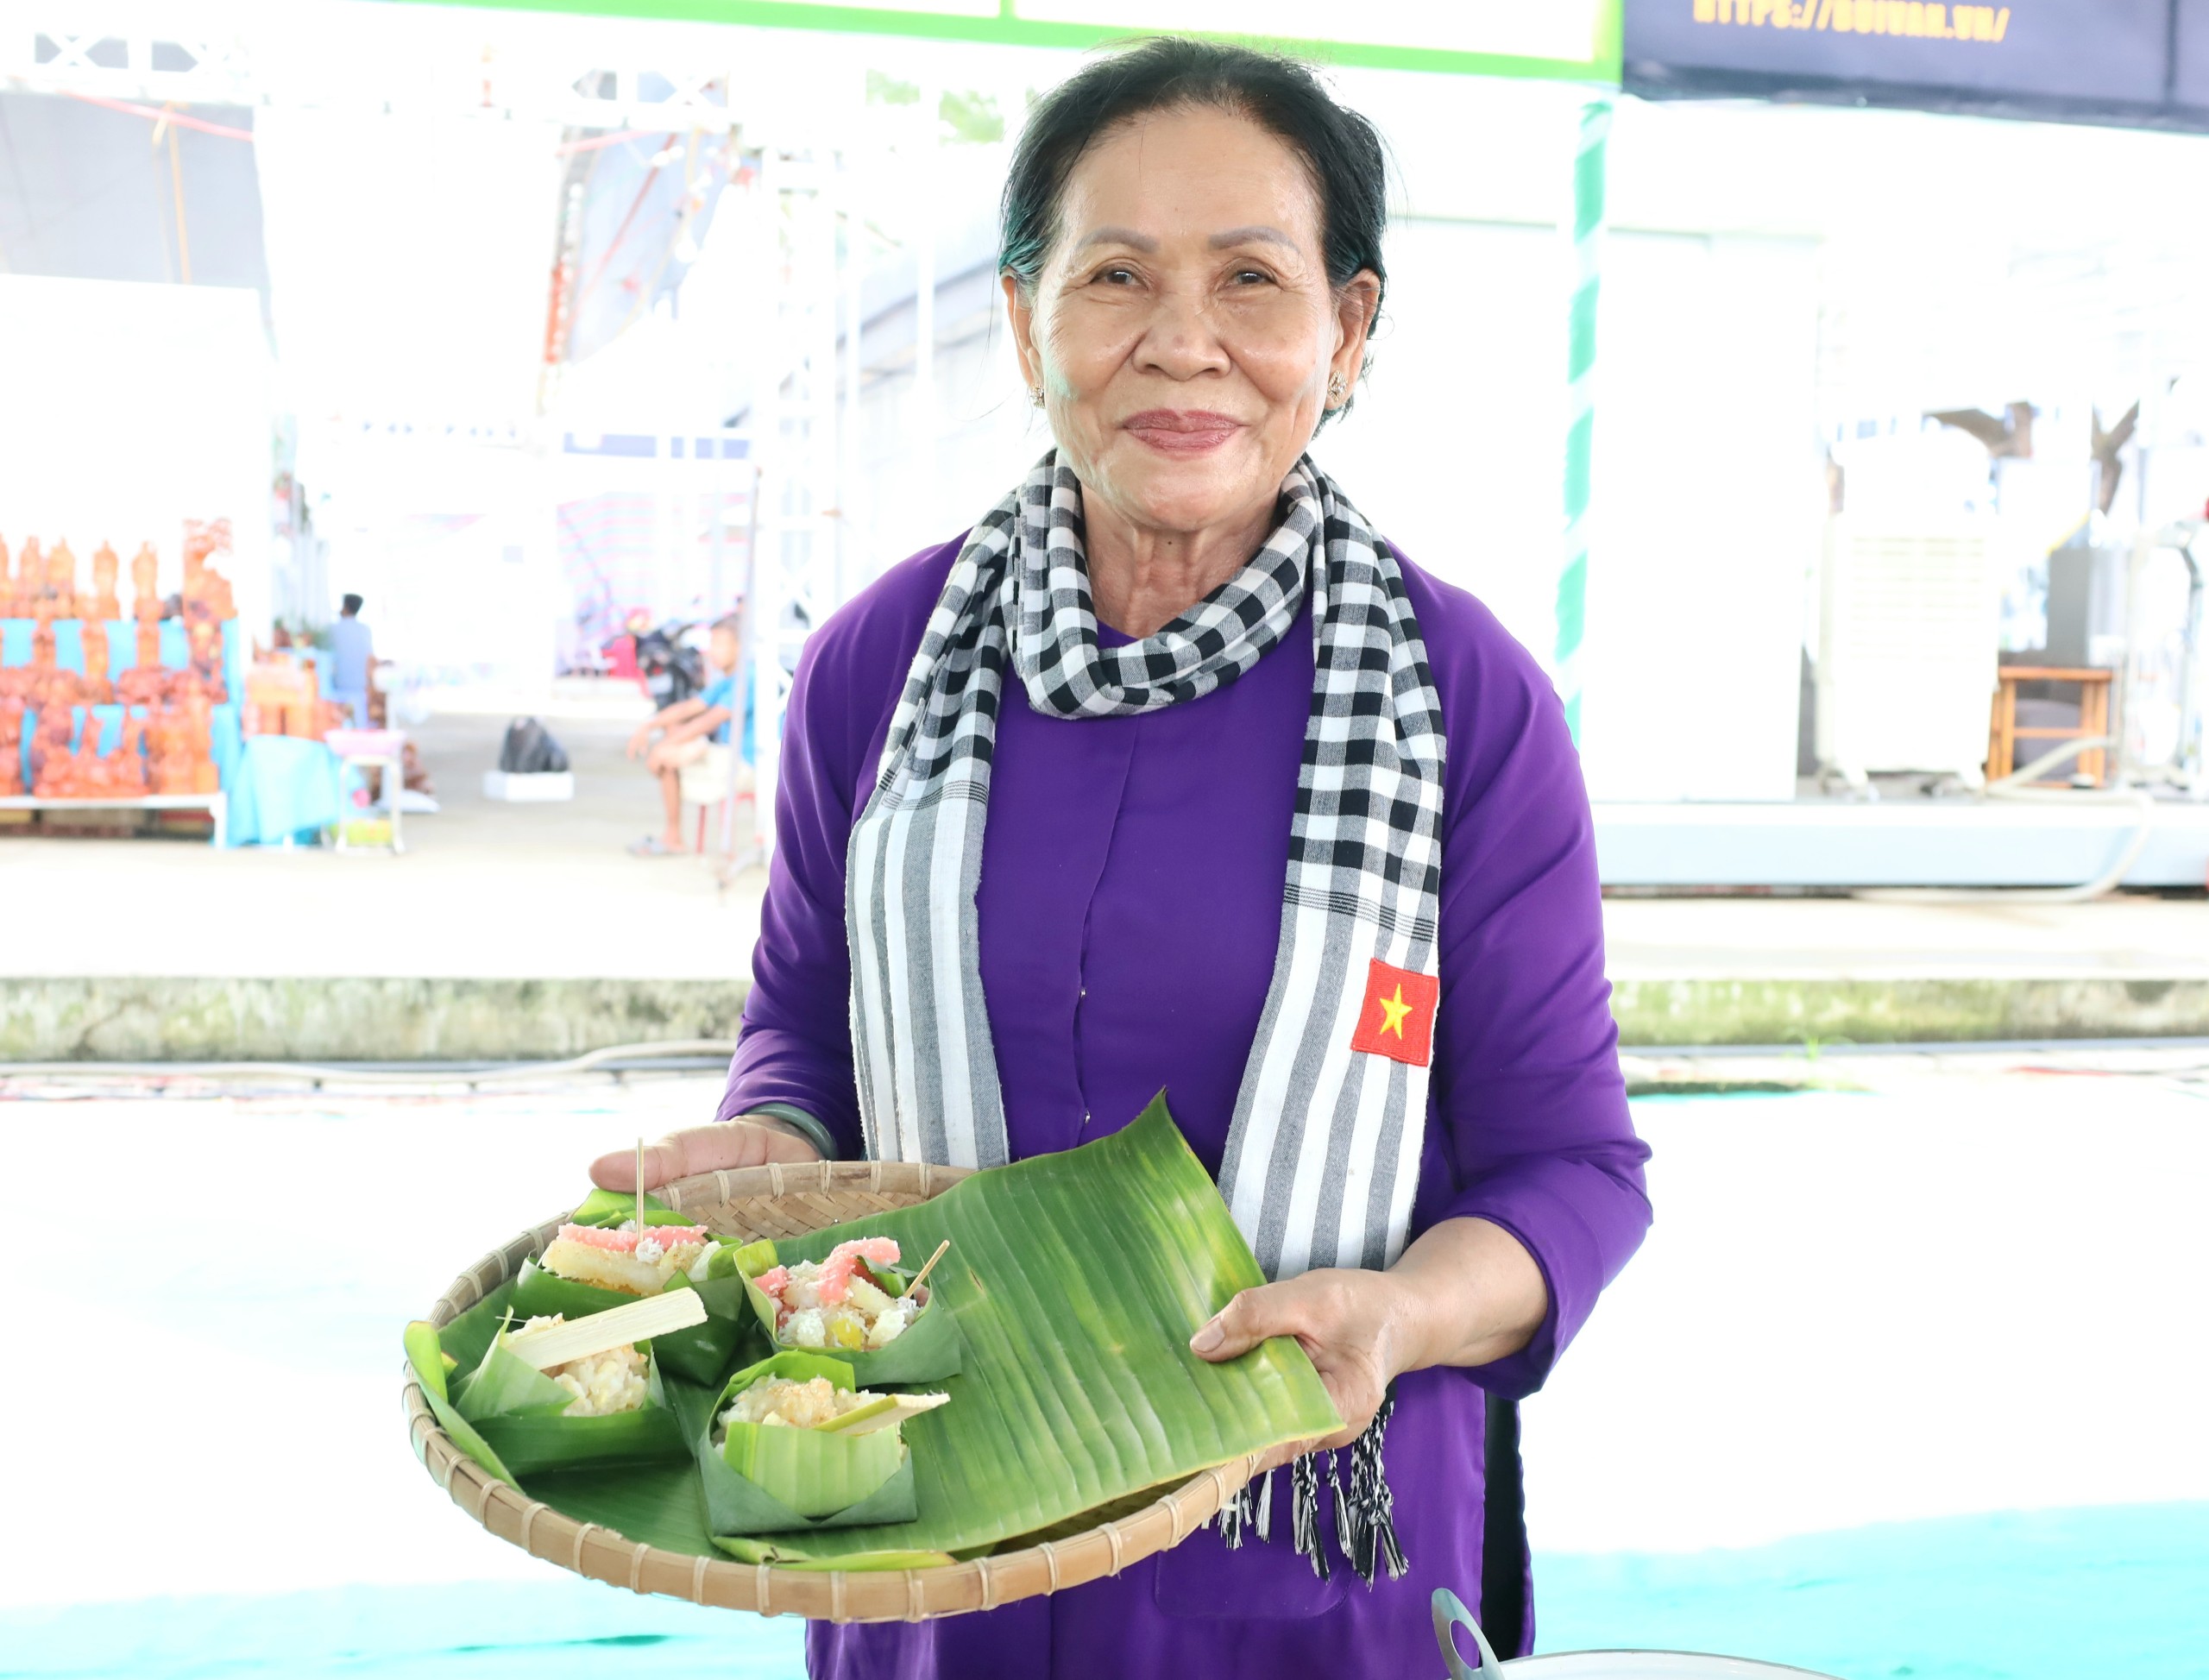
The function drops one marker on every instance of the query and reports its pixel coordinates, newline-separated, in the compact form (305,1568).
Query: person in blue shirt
(352,651)
(687,729)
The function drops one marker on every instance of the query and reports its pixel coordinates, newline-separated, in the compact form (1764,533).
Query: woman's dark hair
(1169,72)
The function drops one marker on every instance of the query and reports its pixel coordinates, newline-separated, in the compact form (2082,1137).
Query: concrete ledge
(1799,1010)
(339,1020)
(342,1020)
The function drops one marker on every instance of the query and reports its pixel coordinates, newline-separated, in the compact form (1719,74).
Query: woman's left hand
(1466,1294)
(1344,1319)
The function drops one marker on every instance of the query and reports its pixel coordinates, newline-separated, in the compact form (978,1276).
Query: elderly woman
(1172,771)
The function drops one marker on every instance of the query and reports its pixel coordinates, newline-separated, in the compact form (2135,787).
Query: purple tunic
(1130,909)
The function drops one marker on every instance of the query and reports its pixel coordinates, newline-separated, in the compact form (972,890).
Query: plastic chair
(1450,1613)
(713,780)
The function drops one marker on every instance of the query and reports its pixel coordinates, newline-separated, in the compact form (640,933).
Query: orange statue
(123,770)
(145,568)
(165,752)
(50,751)
(149,644)
(45,685)
(203,539)
(7,585)
(205,639)
(99,691)
(105,563)
(12,747)
(30,579)
(207,594)
(88,773)
(61,578)
(199,743)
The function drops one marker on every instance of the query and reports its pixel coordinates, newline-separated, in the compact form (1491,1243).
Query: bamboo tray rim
(843,1595)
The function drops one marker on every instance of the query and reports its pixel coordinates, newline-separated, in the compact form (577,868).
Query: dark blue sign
(2111,60)
(2190,59)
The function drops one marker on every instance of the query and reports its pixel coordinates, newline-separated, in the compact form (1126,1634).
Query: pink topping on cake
(773,1281)
(625,1241)
(875,1251)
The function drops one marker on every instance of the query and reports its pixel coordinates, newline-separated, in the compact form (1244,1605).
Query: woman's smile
(1181,431)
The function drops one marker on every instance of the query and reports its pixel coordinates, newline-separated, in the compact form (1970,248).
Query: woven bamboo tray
(777,1201)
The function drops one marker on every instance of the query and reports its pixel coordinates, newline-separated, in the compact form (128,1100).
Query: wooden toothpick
(640,1187)
(922,1276)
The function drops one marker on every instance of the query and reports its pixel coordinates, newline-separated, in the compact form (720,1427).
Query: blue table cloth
(283,787)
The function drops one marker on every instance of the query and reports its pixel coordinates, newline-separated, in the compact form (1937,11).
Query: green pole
(1588,173)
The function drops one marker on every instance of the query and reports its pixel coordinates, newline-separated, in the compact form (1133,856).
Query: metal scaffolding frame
(800,572)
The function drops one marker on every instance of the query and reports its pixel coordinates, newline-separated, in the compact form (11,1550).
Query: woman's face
(1183,329)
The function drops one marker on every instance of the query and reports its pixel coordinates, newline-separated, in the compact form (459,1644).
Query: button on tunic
(1130,909)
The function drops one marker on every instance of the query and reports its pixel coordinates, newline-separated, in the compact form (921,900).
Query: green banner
(1575,41)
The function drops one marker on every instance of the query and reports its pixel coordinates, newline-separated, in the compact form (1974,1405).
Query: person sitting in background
(687,728)
(352,651)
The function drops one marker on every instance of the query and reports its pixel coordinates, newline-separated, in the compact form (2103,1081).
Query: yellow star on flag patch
(1396,1020)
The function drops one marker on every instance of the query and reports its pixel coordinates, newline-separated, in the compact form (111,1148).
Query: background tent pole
(1588,179)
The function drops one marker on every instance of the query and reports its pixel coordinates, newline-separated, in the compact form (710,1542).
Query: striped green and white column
(1588,173)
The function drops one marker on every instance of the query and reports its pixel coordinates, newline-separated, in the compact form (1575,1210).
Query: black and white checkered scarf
(1323,1152)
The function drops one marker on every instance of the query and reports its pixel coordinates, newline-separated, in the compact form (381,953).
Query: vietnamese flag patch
(1397,1018)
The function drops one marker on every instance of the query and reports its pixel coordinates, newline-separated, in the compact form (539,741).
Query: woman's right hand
(640,741)
(745,1139)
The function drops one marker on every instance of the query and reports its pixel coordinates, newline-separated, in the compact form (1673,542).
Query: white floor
(486,889)
(231,1279)
(1962,1294)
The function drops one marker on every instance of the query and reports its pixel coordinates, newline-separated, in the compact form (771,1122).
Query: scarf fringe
(1366,1517)
(1304,1481)
(1365,1522)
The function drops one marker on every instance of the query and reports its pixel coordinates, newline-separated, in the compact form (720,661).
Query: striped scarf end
(1365,1521)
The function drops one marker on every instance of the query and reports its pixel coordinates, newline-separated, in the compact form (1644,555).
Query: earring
(1335,391)
(1035,395)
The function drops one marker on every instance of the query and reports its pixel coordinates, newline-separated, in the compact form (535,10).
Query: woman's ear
(1355,307)
(1020,316)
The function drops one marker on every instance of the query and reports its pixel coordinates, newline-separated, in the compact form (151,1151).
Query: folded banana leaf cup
(767,1479)
(699,1353)
(928,1351)
(514,1415)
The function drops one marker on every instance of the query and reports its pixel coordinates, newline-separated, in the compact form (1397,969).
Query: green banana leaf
(1077,1280)
(516,1412)
(700,1353)
(429,1360)
(928,1351)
